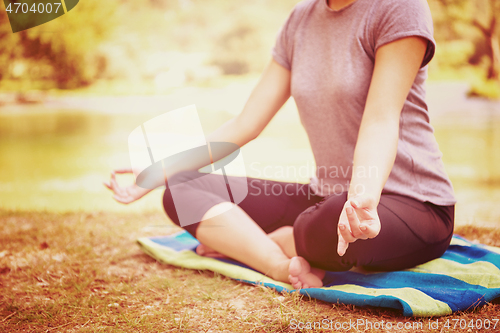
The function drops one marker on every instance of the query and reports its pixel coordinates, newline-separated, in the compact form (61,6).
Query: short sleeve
(397,19)
(282,50)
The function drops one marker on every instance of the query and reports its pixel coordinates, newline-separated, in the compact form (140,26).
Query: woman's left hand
(359,220)
(125,194)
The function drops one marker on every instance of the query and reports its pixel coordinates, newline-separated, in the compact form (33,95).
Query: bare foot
(284,238)
(303,276)
(206,251)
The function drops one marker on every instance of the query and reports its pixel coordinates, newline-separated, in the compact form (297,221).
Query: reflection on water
(57,160)
(471,151)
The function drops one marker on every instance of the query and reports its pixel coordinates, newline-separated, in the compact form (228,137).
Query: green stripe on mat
(420,303)
(481,273)
(457,241)
(189,259)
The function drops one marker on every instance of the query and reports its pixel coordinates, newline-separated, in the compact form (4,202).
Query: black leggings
(412,232)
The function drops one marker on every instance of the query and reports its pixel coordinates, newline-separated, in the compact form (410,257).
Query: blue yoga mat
(467,276)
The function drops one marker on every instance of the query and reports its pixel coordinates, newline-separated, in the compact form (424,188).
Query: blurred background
(73,89)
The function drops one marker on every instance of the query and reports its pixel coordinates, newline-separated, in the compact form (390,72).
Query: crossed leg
(258,232)
(237,236)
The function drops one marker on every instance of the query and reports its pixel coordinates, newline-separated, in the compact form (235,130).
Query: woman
(381,198)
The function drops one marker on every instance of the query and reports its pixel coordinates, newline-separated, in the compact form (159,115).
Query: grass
(83,272)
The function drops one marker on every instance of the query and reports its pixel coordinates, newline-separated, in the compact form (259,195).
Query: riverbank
(56,154)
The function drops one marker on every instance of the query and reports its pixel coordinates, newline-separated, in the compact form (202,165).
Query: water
(468,134)
(56,156)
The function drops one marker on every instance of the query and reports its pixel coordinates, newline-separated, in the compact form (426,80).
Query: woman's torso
(331,58)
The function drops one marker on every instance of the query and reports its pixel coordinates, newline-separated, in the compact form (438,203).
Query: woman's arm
(268,96)
(396,66)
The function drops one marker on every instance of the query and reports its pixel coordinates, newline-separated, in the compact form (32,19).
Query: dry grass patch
(84,272)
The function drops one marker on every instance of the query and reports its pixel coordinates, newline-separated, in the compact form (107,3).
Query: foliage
(468,33)
(116,40)
(489,89)
(235,51)
(62,50)
(237,36)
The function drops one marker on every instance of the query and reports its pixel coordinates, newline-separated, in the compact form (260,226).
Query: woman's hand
(358,220)
(127,194)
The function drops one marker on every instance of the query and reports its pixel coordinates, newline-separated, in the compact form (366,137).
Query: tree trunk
(494,46)
(494,42)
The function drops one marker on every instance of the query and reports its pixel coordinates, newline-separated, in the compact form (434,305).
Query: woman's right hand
(126,194)
(359,220)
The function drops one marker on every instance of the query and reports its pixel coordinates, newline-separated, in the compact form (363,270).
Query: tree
(65,48)
(483,15)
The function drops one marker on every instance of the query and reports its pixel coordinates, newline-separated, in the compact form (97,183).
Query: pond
(55,156)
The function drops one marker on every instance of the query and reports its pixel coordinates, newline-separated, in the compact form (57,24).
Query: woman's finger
(371,230)
(354,223)
(344,228)
(346,233)
(112,182)
(125,170)
(122,199)
(366,212)
(342,246)
(114,185)
(355,203)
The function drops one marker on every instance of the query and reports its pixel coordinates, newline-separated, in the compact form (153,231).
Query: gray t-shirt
(331,57)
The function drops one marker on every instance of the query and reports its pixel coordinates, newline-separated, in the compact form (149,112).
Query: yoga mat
(467,276)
